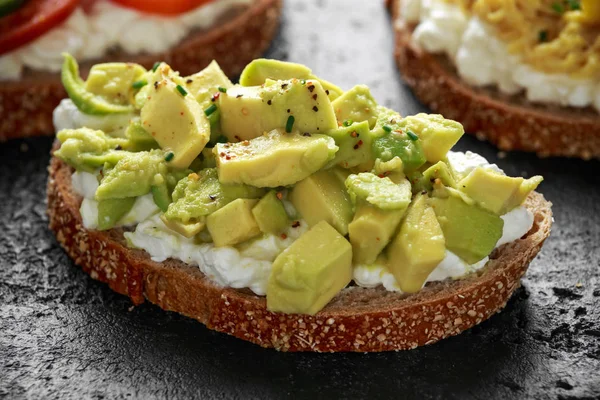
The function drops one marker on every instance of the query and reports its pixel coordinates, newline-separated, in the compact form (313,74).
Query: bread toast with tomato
(235,38)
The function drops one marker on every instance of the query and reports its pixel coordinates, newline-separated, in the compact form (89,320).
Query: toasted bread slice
(509,122)
(357,319)
(234,40)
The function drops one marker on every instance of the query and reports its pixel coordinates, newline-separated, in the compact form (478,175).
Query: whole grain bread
(234,40)
(357,319)
(509,122)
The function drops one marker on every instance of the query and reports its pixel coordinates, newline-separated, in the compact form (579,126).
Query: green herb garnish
(222,89)
(155,66)
(210,110)
(412,136)
(290,123)
(139,84)
(169,156)
(347,122)
(181,90)
(387,128)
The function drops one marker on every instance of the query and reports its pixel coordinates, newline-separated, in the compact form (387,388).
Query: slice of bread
(509,122)
(357,319)
(237,38)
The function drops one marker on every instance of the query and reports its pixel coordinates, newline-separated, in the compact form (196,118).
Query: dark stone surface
(63,335)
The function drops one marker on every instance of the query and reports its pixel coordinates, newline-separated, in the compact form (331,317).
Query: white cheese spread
(482,59)
(90,35)
(68,116)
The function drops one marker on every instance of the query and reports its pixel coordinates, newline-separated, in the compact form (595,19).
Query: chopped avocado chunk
(356,105)
(437,171)
(176,122)
(496,192)
(309,273)
(354,144)
(189,229)
(248,112)
(132,176)
(371,230)
(323,197)
(471,232)
(270,214)
(274,159)
(436,134)
(399,144)
(417,248)
(86,149)
(205,84)
(110,211)
(160,192)
(114,81)
(200,194)
(87,102)
(233,223)
(380,192)
(139,138)
(260,70)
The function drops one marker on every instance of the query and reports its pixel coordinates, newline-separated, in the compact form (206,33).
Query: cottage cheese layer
(249,265)
(107,26)
(482,59)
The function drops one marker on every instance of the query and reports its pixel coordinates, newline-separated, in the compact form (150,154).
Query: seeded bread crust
(509,122)
(242,35)
(357,319)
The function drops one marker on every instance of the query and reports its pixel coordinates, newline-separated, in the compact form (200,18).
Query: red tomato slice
(32,20)
(163,7)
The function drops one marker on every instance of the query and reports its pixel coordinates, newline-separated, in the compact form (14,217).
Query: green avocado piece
(378,191)
(176,121)
(87,102)
(160,192)
(417,248)
(233,223)
(260,70)
(272,160)
(153,77)
(471,232)
(311,272)
(439,171)
(189,229)
(110,211)
(132,176)
(323,197)
(86,149)
(270,214)
(354,144)
(496,192)
(371,230)
(248,112)
(114,81)
(205,84)
(201,194)
(139,138)
(436,134)
(356,105)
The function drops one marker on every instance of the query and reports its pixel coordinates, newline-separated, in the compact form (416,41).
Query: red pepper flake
(315,108)
(354,134)
(181,113)
(222,154)
(315,96)
(216,96)
(239,139)
(358,144)
(296,224)
(228,157)
(283,236)
(246,143)
(189,81)
(279,195)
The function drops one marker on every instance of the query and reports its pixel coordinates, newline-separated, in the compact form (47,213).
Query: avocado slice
(309,273)
(86,149)
(139,138)
(114,81)
(233,223)
(274,159)
(85,101)
(160,192)
(248,112)
(354,144)
(379,191)
(471,232)
(205,84)
(189,229)
(110,211)
(323,197)
(417,248)
(270,214)
(437,171)
(357,105)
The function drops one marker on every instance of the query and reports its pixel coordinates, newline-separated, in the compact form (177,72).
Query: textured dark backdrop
(63,335)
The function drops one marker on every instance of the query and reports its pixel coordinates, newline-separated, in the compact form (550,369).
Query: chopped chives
(348,122)
(302,81)
(139,84)
(155,66)
(412,136)
(290,123)
(387,128)
(222,139)
(181,90)
(559,8)
(169,156)
(574,4)
(222,89)
(210,110)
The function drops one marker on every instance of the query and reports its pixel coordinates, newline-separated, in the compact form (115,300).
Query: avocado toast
(362,229)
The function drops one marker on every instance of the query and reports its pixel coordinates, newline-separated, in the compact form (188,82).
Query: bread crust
(26,105)
(509,122)
(357,319)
